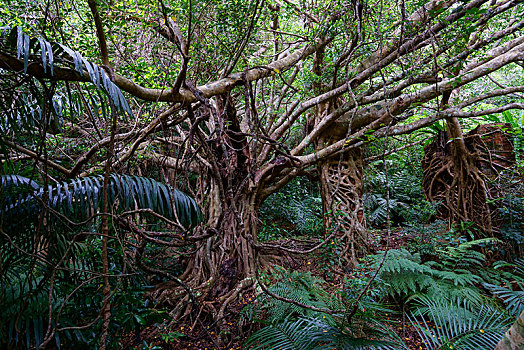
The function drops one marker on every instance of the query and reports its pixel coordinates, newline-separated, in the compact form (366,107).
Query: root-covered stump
(465,183)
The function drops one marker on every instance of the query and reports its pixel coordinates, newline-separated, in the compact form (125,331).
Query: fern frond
(458,279)
(403,274)
(303,288)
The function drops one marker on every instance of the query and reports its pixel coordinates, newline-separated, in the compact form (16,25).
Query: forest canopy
(270,174)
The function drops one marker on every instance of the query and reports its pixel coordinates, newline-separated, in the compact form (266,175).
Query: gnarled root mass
(463,181)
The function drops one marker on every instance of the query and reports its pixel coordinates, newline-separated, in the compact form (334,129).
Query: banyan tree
(236,101)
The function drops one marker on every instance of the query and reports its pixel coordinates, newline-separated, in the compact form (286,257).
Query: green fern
(403,274)
(462,278)
(463,256)
(300,287)
(519,266)
(402,194)
(289,326)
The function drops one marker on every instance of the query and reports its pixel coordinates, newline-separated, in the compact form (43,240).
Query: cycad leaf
(514,299)
(81,197)
(96,75)
(288,335)
(43,50)
(459,324)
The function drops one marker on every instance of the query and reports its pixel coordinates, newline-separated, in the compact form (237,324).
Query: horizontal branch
(33,155)
(166,94)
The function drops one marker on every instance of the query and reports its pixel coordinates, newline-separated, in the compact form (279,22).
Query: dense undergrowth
(247,106)
(427,286)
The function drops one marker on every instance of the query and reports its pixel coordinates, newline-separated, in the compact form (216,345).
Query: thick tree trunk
(342,189)
(514,337)
(228,258)
(467,197)
(341,181)
(223,265)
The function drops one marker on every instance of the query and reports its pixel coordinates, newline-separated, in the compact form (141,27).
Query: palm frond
(288,335)
(311,334)
(13,41)
(81,198)
(514,299)
(459,325)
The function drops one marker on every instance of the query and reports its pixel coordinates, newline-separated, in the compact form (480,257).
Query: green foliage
(45,266)
(149,346)
(511,209)
(402,272)
(15,41)
(456,324)
(301,287)
(298,335)
(44,114)
(427,239)
(82,197)
(310,334)
(514,299)
(454,274)
(297,207)
(289,326)
(516,121)
(404,191)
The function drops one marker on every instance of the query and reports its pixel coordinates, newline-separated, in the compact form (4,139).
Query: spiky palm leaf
(30,107)
(458,325)
(82,197)
(288,335)
(514,299)
(290,326)
(13,41)
(309,334)
(29,255)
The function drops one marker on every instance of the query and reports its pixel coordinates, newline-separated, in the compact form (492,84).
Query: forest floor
(205,335)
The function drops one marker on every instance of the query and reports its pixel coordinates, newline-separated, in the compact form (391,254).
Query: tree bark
(342,189)
(225,263)
(514,337)
(452,177)
(340,178)
(467,196)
